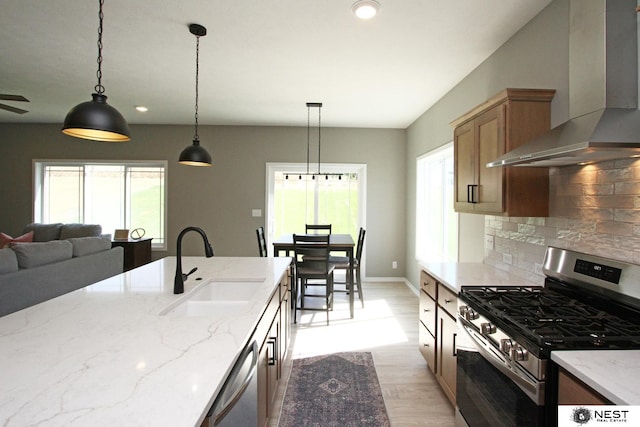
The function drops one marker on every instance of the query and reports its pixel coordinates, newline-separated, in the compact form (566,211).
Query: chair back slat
(318,228)
(262,242)
(360,243)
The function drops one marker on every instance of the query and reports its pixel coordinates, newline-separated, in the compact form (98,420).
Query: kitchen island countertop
(103,356)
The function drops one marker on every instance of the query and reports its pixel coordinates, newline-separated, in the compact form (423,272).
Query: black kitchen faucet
(178,282)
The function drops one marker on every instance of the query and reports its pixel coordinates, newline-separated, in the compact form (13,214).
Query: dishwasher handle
(240,368)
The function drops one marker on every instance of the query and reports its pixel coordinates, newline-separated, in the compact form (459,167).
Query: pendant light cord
(319,142)
(308,134)
(99,88)
(196,137)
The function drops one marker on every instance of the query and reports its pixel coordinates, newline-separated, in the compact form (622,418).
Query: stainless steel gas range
(506,335)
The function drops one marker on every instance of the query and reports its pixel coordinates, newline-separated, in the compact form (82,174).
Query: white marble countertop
(612,373)
(457,274)
(103,356)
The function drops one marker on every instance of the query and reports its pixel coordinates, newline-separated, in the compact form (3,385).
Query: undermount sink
(212,299)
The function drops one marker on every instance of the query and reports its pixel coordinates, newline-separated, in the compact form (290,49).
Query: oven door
(491,390)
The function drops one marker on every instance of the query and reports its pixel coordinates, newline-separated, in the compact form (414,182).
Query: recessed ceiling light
(142,108)
(365,9)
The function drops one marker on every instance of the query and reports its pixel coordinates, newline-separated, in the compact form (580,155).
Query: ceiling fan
(18,98)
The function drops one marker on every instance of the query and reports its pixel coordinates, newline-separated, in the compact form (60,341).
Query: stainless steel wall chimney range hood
(603,91)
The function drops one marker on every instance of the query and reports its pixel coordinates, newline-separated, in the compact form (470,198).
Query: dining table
(344,243)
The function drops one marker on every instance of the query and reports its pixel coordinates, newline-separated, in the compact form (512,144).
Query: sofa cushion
(69,231)
(6,240)
(44,232)
(34,254)
(89,245)
(8,261)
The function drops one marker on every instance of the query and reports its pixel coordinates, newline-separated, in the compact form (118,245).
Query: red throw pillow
(6,240)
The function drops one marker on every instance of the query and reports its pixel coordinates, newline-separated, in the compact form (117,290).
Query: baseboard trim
(394,279)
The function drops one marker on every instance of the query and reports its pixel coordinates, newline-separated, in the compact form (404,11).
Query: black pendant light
(195,155)
(96,119)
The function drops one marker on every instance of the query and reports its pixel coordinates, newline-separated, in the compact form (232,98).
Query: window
(294,200)
(113,194)
(436,220)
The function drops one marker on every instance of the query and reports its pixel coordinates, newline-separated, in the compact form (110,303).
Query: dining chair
(313,271)
(342,263)
(262,242)
(318,228)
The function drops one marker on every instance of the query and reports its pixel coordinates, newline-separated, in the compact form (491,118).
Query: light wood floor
(388,328)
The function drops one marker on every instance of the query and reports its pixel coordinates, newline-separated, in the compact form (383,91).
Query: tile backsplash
(593,209)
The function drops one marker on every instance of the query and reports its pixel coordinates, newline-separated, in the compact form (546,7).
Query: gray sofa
(61,259)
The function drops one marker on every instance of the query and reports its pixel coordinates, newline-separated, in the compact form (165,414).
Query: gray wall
(535,57)
(219,199)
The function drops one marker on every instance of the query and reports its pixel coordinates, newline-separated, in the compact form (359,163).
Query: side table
(136,252)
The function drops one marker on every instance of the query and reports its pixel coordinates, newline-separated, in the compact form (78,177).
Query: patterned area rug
(340,389)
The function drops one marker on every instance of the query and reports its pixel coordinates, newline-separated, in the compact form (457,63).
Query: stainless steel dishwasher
(237,403)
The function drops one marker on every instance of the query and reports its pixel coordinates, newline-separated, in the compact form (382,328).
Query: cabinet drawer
(427,344)
(428,284)
(428,312)
(448,300)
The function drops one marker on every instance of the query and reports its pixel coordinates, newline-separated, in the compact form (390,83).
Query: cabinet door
(447,354)
(428,312)
(490,128)
(464,156)
(427,346)
(273,362)
(572,391)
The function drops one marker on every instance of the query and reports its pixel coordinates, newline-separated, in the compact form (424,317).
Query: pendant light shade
(196,155)
(95,119)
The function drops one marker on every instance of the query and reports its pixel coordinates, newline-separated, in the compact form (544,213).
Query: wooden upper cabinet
(506,121)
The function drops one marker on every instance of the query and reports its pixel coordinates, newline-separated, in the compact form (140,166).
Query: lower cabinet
(572,391)
(273,339)
(437,331)
(446,374)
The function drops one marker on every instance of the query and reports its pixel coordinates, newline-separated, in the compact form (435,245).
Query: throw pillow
(44,232)
(69,231)
(89,245)
(8,261)
(35,254)
(6,240)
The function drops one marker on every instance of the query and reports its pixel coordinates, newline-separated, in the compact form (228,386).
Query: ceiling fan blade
(12,109)
(18,98)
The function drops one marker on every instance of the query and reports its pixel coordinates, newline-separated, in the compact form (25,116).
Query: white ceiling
(260,62)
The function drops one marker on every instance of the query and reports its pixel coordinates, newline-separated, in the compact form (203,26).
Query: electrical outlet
(394,264)
(488,242)
(507,259)
(256,212)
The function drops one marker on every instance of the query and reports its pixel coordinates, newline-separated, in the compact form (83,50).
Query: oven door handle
(531,387)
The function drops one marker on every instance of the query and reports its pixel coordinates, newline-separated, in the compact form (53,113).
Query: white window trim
(434,154)
(37,181)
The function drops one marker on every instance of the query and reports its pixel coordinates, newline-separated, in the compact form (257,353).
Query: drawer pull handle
(447,301)
(426,310)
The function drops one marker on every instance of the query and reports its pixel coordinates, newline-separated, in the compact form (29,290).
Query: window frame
(437,154)
(296,168)
(39,165)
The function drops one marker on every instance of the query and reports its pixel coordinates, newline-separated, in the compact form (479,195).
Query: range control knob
(488,328)
(471,315)
(519,354)
(463,310)
(506,345)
